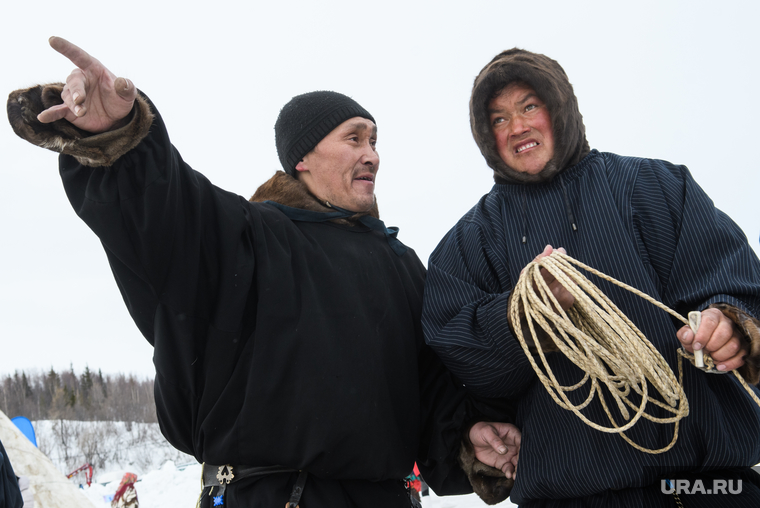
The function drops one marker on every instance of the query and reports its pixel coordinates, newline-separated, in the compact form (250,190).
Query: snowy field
(166,477)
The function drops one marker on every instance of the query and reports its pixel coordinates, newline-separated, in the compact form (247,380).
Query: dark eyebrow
(526,98)
(522,101)
(358,126)
(361,127)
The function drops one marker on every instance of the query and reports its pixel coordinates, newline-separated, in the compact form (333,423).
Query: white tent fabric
(49,487)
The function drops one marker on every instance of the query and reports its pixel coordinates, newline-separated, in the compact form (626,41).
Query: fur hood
(286,190)
(550,82)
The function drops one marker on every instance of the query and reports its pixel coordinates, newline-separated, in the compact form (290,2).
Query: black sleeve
(444,412)
(465,316)
(175,243)
(701,256)
(448,411)
(10,494)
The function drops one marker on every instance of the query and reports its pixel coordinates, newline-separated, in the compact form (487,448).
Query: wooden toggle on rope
(598,338)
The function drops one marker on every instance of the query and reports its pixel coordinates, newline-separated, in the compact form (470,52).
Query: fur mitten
(61,136)
(488,482)
(750,328)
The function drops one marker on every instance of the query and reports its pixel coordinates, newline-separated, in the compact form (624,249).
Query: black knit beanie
(307,119)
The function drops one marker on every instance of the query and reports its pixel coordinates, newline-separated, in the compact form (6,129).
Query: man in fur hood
(641,221)
(286,329)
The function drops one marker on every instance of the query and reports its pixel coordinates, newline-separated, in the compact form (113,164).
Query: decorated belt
(216,476)
(221,476)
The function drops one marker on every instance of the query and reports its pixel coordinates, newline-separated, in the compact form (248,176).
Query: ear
(301,166)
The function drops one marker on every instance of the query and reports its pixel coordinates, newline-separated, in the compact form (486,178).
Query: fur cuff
(488,482)
(750,328)
(61,136)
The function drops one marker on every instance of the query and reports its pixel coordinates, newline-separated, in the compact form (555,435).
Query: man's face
(522,128)
(342,167)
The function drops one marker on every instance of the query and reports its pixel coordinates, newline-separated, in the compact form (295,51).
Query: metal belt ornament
(224,474)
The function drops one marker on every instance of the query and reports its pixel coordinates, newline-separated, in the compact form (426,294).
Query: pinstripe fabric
(644,222)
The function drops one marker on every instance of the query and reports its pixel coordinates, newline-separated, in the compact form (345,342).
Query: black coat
(277,342)
(10,494)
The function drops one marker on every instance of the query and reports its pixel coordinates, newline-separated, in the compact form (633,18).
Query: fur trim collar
(550,82)
(289,191)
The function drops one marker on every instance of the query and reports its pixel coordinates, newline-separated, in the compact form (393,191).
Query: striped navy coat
(644,222)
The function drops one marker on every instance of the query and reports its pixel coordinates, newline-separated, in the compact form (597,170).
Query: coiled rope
(598,338)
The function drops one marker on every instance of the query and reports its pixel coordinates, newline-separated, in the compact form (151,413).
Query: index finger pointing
(77,55)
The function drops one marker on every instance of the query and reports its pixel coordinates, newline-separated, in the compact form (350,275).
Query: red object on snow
(87,473)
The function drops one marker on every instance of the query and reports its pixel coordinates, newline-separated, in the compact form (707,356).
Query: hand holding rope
(598,338)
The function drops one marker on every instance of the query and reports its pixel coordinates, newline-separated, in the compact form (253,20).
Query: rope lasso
(600,340)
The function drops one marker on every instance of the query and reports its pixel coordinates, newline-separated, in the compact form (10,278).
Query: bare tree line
(70,444)
(89,396)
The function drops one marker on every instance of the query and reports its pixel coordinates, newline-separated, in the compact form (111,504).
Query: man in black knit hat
(286,328)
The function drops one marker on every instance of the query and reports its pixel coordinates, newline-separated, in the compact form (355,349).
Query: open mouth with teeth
(365,178)
(524,147)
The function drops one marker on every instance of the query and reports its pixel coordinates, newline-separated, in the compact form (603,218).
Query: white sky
(674,80)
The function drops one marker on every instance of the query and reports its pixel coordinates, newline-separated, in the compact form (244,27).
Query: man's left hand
(718,336)
(497,445)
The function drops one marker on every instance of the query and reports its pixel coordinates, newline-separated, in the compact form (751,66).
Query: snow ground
(166,477)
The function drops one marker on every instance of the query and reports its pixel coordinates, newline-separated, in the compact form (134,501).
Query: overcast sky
(670,80)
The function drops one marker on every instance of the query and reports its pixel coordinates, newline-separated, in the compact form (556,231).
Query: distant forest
(86,397)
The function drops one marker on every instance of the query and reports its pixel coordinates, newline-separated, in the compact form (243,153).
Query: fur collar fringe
(286,190)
